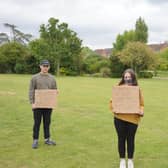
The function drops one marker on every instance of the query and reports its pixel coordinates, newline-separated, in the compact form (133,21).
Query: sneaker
(35,144)
(122,163)
(50,142)
(130,163)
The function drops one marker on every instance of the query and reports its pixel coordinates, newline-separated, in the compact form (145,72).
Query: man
(41,80)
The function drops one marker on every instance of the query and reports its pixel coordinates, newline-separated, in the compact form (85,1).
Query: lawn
(82,125)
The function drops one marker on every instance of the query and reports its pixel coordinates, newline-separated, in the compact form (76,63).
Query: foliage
(97,75)
(122,40)
(93,64)
(116,66)
(63,44)
(12,56)
(17,35)
(138,56)
(105,71)
(118,61)
(146,74)
(86,52)
(139,34)
(19,68)
(141,31)
(163,55)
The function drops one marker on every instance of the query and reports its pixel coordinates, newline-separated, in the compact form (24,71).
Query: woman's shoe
(122,163)
(130,163)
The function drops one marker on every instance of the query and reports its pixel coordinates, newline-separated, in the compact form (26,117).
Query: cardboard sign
(45,98)
(125,99)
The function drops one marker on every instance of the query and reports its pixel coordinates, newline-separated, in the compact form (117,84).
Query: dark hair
(133,76)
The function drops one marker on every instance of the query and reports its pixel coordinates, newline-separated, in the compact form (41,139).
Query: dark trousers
(126,134)
(38,114)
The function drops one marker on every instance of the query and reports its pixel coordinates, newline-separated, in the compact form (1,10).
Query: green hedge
(146,74)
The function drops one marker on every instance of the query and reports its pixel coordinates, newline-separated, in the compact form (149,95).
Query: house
(104,52)
(155,47)
(158,47)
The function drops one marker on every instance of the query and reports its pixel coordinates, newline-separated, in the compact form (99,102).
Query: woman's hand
(141,113)
(110,105)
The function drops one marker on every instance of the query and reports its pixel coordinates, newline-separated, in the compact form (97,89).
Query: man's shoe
(50,142)
(35,144)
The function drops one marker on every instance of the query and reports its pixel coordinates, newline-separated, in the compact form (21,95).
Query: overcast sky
(97,22)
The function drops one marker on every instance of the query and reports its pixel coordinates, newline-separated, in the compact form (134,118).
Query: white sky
(97,22)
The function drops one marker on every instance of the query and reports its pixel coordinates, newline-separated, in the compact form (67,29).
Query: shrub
(96,75)
(146,74)
(63,71)
(19,68)
(106,72)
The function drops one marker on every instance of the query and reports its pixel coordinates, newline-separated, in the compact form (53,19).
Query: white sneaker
(122,163)
(130,163)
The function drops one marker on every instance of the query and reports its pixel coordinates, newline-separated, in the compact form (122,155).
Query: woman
(126,124)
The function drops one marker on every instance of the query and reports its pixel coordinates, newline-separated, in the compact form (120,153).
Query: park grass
(82,125)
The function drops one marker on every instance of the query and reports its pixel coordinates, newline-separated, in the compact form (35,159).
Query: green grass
(82,125)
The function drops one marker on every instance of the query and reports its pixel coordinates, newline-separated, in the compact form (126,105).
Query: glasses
(46,66)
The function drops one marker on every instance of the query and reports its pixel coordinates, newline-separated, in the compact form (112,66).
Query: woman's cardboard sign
(45,98)
(125,99)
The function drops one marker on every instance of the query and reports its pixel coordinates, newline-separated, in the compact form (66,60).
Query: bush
(97,75)
(63,71)
(106,72)
(116,75)
(67,72)
(146,74)
(19,68)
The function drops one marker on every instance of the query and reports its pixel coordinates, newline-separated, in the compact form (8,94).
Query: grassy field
(82,125)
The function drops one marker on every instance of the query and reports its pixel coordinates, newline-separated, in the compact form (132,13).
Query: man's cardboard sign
(45,98)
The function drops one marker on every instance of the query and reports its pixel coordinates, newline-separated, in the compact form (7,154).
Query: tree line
(20,53)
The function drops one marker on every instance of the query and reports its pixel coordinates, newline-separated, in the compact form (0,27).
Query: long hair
(133,76)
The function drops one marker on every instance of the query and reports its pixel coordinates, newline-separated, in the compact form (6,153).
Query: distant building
(104,52)
(158,47)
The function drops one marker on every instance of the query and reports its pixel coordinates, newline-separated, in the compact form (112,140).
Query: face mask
(128,81)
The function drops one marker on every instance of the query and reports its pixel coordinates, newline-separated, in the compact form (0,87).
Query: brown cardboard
(45,98)
(125,99)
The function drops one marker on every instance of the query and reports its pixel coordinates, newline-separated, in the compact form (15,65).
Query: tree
(4,38)
(40,49)
(139,34)
(94,63)
(16,35)
(118,63)
(138,56)
(141,31)
(62,42)
(12,56)
(122,40)
(12,28)
(163,56)
(116,66)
